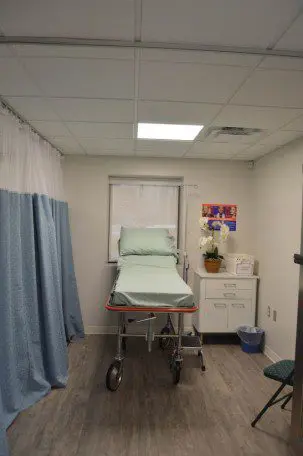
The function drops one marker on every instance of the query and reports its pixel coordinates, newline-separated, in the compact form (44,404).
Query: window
(142,203)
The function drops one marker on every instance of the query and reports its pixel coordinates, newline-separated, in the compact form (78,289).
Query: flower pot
(212,266)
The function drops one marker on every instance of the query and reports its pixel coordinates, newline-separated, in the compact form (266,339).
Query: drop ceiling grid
(171,105)
(112,19)
(128,20)
(296,113)
(293,37)
(237,23)
(58,138)
(227,102)
(162,20)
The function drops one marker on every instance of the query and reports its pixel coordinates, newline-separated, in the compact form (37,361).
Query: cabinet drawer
(229,284)
(240,313)
(231,294)
(220,289)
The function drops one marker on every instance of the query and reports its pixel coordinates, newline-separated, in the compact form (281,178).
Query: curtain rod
(137,44)
(23,121)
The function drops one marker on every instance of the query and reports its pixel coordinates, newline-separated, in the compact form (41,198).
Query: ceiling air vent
(215,132)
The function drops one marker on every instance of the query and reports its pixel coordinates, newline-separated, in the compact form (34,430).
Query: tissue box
(239,264)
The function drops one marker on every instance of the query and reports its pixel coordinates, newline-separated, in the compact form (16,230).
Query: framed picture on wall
(226,213)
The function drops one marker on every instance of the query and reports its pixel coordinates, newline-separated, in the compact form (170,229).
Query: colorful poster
(226,213)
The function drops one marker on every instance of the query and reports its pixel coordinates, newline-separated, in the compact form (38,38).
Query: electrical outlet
(268,311)
(274,315)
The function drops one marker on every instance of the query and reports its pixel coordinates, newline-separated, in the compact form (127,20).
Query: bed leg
(119,356)
(114,373)
(176,362)
(150,335)
(180,331)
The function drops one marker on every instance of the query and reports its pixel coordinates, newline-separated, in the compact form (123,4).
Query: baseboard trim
(271,354)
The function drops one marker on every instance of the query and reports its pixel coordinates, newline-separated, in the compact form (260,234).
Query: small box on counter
(239,264)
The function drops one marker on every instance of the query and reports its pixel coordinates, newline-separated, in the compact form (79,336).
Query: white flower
(203,222)
(204,240)
(224,232)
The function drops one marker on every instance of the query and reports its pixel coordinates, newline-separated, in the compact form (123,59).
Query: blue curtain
(39,305)
(3,441)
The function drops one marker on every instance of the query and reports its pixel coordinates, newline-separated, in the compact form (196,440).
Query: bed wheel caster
(164,341)
(200,354)
(114,375)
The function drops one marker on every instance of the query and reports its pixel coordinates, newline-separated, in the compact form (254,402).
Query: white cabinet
(225,302)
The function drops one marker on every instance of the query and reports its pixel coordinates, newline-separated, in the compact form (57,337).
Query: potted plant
(212,236)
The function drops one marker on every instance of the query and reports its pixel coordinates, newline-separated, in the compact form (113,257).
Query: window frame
(175,181)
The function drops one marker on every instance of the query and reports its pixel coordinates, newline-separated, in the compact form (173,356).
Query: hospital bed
(149,284)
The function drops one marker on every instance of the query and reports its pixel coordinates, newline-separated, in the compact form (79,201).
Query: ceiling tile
(106,144)
(160,147)
(209,149)
(51,128)
(232,139)
(189,82)
(113,153)
(255,117)
(242,23)
(14,80)
(295,125)
(112,19)
(91,78)
(258,150)
(211,156)
(247,157)
(33,108)
(101,130)
(279,138)
(85,52)
(100,151)
(206,57)
(272,88)
(67,145)
(160,153)
(92,110)
(175,112)
(282,63)
(293,38)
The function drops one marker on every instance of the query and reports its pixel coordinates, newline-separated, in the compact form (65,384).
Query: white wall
(86,185)
(278,215)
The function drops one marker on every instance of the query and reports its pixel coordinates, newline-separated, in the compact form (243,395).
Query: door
(297,409)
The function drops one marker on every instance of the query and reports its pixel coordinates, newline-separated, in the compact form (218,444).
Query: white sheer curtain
(140,203)
(27,163)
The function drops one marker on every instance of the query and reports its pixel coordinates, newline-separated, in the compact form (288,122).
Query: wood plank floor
(207,413)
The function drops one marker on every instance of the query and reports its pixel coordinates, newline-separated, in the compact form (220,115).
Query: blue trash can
(251,338)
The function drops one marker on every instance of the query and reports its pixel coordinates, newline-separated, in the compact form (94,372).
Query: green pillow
(146,241)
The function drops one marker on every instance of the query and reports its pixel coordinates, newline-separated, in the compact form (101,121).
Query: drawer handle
(230,285)
(220,305)
(238,305)
(229,294)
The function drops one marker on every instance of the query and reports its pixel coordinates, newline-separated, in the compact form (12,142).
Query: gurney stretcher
(167,335)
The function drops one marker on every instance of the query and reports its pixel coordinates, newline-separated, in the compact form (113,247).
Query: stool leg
(286,401)
(269,404)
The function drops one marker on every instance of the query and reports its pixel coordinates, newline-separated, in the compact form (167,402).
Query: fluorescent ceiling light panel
(168,131)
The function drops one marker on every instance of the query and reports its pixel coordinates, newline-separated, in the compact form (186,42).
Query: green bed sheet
(150,281)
